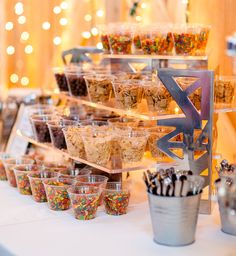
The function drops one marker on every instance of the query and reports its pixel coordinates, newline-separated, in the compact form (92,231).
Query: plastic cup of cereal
(224,90)
(73,173)
(123,122)
(99,87)
(157,96)
(11,163)
(56,133)
(85,201)
(60,77)
(116,197)
(36,182)
(128,94)
(186,39)
(3,157)
(97,145)
(40,128)
(57,195)
(22,180)
(132,145)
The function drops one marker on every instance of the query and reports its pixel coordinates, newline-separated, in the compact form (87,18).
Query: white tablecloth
(28,228)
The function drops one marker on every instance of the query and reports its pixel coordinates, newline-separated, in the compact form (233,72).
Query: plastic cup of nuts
(22,179)
(99,87)
(132,145)
(116,198)
(84,201)
(40,128)
(224,90)
(128,94)
(36,182)
(3,157)
(56,133)
(11,163)
(157,96)
(59,73)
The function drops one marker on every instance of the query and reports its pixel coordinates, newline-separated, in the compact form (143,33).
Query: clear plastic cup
(60,77)
(132,145)
(97,145)
(224,90)
(128,94)
(116,198)
(11,163)
(22,180)
(56,133)
(203,39)
(103,32)
(36,182)
(3,157)
(99,87)
(157,96)
(84,200)
(57,196)
(73,173)
(123,122)
(40,128)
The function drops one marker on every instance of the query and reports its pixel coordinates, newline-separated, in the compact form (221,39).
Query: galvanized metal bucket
(174,219)
(228,219)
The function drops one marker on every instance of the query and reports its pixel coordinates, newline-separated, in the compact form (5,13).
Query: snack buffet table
(28,228)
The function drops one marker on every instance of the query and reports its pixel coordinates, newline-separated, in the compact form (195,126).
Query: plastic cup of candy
(84,201)
(157,96)
(186,39)
(157,40)
(202,39)
(103,33)
(132,145)
(57,195)
(73,173)
(3,157)
(116,198)
(12,163)
(128,94)
(56,133)
(97,145)
(36,182)
(22,180)
(224,90)
(40,128)
(60,77)
(99,87)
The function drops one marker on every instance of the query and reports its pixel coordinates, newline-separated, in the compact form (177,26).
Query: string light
(64,5)
(57,9)
(94,31)
(14,78)
(19,8)
(87,17)
(9,25)
(22,19)
(99,45)
(99,13)
(24,80)
(86,34)
(24,36)
(143,5)
(63,21)
(46,25)
(57,40)
(10,50)
(28,49)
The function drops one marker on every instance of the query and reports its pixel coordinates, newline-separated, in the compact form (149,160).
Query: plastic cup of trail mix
(85,201)
(186,39)
(36,182)
(157,96)
(56,133)
(128,94)
(40,128)
(22,179)
(116,198)
(11,163)
(99,87)
(3,157)
(57,195)
(59,73)
(224,89)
